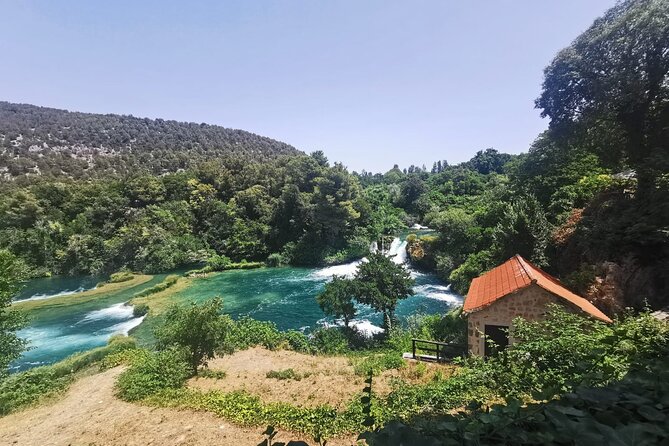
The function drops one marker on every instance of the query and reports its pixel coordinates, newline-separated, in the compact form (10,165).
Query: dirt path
(89,414)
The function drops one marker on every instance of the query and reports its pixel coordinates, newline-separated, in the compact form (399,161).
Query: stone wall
(529,303)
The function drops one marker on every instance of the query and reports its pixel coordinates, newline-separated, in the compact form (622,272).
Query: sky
(371,83)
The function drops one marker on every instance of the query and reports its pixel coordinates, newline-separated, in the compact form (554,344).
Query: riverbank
(102,290)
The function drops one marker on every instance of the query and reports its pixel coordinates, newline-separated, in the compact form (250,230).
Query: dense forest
(54,143)
(589,201)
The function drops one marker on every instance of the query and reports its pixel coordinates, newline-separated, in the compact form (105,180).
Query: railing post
(413,348)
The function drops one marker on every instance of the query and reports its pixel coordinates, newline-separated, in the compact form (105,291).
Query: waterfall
(374,247)
(398,251)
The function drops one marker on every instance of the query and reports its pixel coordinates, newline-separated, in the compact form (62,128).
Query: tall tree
(610,88)
(337,299)
(381,283)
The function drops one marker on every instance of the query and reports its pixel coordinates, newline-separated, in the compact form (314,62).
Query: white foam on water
(347,270)
(366,327)
(124,327)
(363,326)
(50,296)
(438,292)
(117,311)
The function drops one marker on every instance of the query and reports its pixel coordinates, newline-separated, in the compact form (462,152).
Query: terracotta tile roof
(516,274)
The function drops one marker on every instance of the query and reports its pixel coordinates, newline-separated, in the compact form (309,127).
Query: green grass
(213,374)
(245,409)
(378,363)
(287,374)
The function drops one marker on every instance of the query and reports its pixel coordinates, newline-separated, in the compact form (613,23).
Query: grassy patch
(165,284)
(245,409)
(287,374)
(376,364)
(213,374)
(121,276)
(159,297)
(83,297)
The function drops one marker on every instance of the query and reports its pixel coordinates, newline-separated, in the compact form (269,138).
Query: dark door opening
(499,334)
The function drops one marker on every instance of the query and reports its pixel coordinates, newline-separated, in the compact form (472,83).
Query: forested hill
(52,142)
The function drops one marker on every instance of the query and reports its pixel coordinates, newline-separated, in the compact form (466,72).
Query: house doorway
(499,334)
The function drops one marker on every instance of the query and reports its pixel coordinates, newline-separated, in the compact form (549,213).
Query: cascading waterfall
(398,251)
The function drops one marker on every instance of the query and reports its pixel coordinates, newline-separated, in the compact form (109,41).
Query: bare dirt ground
(89,413)
(325,380)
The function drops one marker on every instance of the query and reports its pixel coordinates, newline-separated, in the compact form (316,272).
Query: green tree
(523,230)
(337,299)
(12,272)
(381,283)
(198,329)
(609,88)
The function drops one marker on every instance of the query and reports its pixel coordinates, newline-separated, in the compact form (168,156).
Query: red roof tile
(516,274)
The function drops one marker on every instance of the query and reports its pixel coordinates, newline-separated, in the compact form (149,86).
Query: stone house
(514,288)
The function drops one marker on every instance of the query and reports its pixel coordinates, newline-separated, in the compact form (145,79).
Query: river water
(285,296)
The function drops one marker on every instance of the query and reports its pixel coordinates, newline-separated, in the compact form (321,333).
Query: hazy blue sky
(372,83)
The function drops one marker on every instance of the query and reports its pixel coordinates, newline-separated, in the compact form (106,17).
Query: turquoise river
(285,296)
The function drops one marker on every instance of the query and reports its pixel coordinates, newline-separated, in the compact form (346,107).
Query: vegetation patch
(121,276)
(165,284)
(376,364)
(213,374)
(245,409)
(287,374)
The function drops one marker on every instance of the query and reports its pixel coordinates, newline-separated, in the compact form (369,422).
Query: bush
(165,284)
(286,374)
(197,329)
(330,341)
(155,371)
(140,310)
(247,332)
(376,364)
(276,259)
(218,262)
(121,276)
(213,374)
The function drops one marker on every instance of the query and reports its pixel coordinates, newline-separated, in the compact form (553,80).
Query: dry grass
(326,379)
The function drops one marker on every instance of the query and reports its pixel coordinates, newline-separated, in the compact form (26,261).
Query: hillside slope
(52,142)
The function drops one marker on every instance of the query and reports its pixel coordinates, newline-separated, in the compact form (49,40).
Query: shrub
(121,276)
(276,259)
(213,374)
(247,332)
(297,341)
(195,328)
(165,284)
(140,310)
(286,374)
(376,364)
(218,262)
(329,341)
(167,369)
